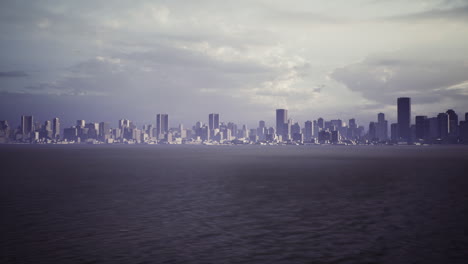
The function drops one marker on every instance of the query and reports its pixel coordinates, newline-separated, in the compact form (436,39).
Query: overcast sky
(107,60)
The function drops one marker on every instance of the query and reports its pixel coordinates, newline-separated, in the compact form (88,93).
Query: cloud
(13,74)
(384,77)
(184,57)
(451,13)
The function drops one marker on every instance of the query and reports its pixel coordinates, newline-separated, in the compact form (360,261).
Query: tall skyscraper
(27,126)
(121,123)
(372,131)
(434,131)
(421,127)
(381,128)
(80,123)
(104,130)
(443,121)
(308,130)
(281,121)
(394,132)
(316,129)
(56,128)
(47,130)
(261,130)
(404,117)
(261,124)
(320,123)
(213,121)
(162,125)
(453,122)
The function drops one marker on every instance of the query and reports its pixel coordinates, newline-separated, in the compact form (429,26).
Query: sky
(108,60)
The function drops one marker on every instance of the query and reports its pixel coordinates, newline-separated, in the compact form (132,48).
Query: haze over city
(104,61)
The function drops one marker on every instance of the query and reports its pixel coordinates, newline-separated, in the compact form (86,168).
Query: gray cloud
(451,13)
(383,77)
(244,57)
(13,74)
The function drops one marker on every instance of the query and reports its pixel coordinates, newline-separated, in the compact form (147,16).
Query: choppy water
(244,204)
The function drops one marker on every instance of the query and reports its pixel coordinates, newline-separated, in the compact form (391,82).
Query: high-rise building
(421,122)
(245,132)
(27,126)
(381,128)
(453,122)
(281,121)
(121,123)
(352,129)
(56,128)
(433,130)
(464,131)
(443,122)
(261,131)
(70,134)
(162,125)
(261,124)
(394,132)
(104,131)
(404,118)
(80,123)
(93,130)
(320,123)
(335,136)
(4,131)
(213,121)
(308,130)
(372,131)
(47,131)
(316,129)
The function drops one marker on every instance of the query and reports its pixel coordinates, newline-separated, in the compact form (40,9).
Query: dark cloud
(453,13)
(244,58)
(13,74)
(384,77)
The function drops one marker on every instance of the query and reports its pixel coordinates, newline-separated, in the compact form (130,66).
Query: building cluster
(445,128)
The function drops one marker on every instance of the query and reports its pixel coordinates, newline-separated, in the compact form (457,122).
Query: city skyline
(445,128)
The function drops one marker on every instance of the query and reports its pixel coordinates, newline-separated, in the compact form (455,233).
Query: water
(237,204)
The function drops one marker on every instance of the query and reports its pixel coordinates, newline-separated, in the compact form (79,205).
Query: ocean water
(233,204)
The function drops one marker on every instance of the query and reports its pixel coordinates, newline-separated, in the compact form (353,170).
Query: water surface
(233,204)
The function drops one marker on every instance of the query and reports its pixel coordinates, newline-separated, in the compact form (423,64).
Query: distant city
(444,128)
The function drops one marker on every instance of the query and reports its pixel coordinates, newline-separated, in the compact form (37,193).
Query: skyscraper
(104,131)
(394,132)
(281,121)
(320,123)
(261,130)
(404,118)
(162,125)
(80,123)
(308,130)
(443,121)
(47,131)
(453,122)
(372,131)
(261,124)
(27,126)
(213,121)
(56,128)
(420,127)
(381,128)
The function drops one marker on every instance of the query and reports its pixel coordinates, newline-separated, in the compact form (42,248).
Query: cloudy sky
(106,60)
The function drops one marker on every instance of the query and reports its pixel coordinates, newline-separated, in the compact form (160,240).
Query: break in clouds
(91,59)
